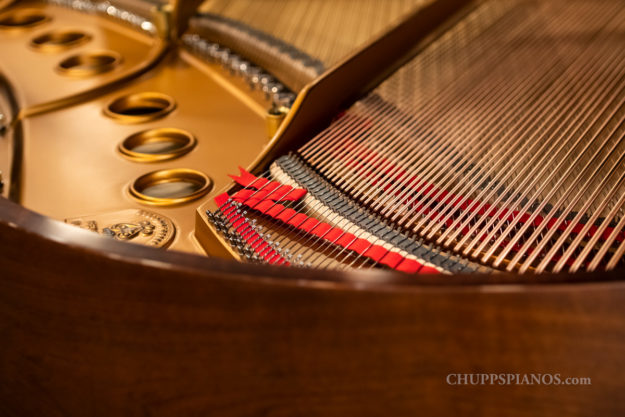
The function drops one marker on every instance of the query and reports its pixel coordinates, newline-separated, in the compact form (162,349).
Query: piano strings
(508,154)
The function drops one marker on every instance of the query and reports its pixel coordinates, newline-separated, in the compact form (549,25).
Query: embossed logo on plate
(137,226)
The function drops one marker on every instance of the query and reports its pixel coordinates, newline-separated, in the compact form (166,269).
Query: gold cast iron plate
(136,226)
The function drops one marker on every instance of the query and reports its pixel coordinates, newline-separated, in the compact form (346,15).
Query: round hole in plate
(170,186)
(22,19)
(157,144)
(89,63)
(58,40)
(140,107)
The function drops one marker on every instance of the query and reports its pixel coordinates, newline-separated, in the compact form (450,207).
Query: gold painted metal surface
(275,117)
(254,99)
(5,3)
(59,40)
(169,187)
(135,226)
(73,166)
(22,20)
(88,64)
(155,145)
(39,87)
(140,107)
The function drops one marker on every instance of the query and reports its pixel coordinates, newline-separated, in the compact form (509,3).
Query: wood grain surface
(93,327)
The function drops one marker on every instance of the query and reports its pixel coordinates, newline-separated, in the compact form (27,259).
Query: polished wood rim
(40,228)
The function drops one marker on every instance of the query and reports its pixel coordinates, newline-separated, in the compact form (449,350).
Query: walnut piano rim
(103,327)
(38,229)
(170,311)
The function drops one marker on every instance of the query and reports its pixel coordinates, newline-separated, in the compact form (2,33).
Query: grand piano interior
(312,207)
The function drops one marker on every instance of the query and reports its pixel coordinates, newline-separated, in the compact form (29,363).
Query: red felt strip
(286,215)
(333,234)
(346,239)
(376,252)
(359,245)
(275,210)
(410,266)
(264,206)
(253,239)
(298,219)
(391,259)
(264,198)
(321,229)
(309,224)
(262,188)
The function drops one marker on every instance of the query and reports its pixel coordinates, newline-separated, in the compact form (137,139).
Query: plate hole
(140,107)
(22,19)
(170,186)
(89,63)
(174,189)
(157,144)
(59,40)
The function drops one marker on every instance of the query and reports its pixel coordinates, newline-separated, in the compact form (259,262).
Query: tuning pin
(253,77)
(284,99)
(244,67)
(223,56)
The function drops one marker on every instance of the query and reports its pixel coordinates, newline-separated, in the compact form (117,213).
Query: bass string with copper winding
(366,151)
(374,143)
(509,158)
(607,14)
(528,188)
(344,120)
(373,137)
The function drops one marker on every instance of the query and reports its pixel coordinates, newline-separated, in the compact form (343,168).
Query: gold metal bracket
(275,117)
